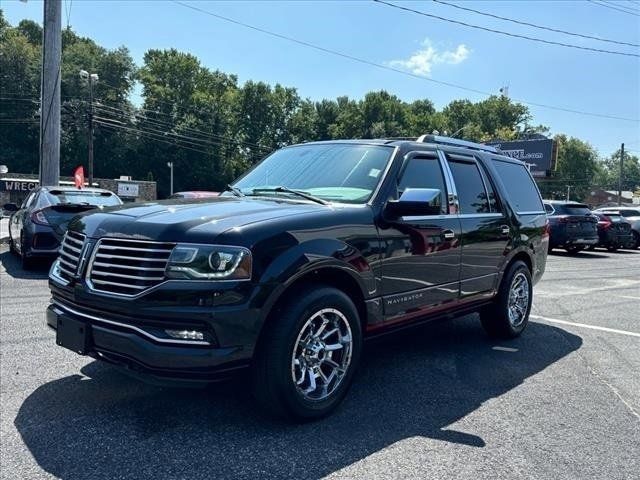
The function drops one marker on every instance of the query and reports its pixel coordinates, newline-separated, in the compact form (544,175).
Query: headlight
(209,262)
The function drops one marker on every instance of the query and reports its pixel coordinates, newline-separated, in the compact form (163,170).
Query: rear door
(421,254)
(485,230)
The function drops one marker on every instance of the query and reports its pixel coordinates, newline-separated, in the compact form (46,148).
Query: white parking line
(584,325)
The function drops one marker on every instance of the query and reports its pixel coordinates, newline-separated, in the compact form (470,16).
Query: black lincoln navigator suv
(316,248)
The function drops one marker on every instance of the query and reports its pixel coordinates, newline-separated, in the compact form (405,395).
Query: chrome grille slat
(139,259)
(69,254)
(128,267)
(74,249)
(105,282)
(136,249)
(122,275)
(75,240)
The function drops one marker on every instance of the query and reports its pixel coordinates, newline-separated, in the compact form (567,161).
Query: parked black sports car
(36,228)
(614,232)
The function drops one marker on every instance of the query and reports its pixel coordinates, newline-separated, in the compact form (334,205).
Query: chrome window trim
(130,327)
(426,217)
(450,183)
(444,217)
(533,212)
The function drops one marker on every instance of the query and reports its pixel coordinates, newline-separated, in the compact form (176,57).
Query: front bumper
(144,350)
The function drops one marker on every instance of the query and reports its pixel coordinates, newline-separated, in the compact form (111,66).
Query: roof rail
(455,142)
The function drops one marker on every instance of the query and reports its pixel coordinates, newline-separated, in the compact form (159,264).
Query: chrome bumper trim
(66,309)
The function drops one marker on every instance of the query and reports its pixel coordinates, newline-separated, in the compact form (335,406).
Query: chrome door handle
(504,229)
(448,234)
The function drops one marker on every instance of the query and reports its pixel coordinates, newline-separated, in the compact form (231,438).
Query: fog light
(186,334)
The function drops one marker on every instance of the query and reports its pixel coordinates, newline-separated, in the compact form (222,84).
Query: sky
(428,49)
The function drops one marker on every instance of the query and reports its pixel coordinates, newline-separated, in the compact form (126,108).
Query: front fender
(315,255)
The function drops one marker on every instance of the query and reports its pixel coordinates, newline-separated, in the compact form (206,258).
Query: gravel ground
(440,401)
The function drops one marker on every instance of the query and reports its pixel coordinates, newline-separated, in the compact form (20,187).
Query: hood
(187,220)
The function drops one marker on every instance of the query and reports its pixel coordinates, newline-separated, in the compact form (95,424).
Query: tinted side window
(630,213)
(472,195)
(522,190)
(424,172)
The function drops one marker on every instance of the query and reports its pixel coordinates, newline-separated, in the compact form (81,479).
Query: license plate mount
(74,335)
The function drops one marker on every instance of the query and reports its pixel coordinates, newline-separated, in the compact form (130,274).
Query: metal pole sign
(539,154)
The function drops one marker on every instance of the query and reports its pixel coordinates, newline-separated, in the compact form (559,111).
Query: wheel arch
(340,278)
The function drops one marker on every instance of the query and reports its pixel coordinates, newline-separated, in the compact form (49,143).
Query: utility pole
(50,94)
(568,191)
(170,165)
(91,78)
(620,176)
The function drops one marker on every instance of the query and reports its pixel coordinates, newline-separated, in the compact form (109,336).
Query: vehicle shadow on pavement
(106,425)
(12,266)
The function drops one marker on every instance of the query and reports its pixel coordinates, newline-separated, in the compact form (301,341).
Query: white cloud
(422,61)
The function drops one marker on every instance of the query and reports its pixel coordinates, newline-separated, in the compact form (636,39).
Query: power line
(541,27)
(185,138)
(188,129)
(623,7)
(508,34)
(392,69)
(143,134)
(613,8)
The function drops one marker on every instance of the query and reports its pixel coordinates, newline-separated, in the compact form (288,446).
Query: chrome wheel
(321,354)
(518,299)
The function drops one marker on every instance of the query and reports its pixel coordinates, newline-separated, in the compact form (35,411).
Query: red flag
(78,176)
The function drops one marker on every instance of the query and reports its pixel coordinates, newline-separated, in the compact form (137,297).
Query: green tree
(577,167)
(609,172)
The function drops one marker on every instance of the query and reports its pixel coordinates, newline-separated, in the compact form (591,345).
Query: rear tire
(508,316)
(573,250)
(612,248)
(296,346)
(636,241)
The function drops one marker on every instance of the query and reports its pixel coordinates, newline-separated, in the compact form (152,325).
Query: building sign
(17,185)
(128,190)
(539,154)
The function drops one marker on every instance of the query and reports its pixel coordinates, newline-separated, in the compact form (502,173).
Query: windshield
(346,173)
(107,199)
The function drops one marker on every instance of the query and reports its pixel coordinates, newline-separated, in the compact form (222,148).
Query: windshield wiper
(235,190)
(300,193)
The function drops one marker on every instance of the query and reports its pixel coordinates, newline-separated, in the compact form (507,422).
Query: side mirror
(416,201)
(10,207)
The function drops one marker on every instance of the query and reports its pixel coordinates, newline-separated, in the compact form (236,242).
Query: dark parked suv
(572,225)
(318,247)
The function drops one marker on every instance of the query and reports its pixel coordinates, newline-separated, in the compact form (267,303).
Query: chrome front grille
(70,251)
(127,267)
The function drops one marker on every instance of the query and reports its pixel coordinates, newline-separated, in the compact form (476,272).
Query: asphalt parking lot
(440,401)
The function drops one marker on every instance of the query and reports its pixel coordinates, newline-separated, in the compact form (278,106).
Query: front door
(421,254)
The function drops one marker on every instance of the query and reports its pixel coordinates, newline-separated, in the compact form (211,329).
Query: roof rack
(455,142)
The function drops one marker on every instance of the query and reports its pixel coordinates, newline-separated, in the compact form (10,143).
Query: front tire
(508,316)
(573,250)
(304,365)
